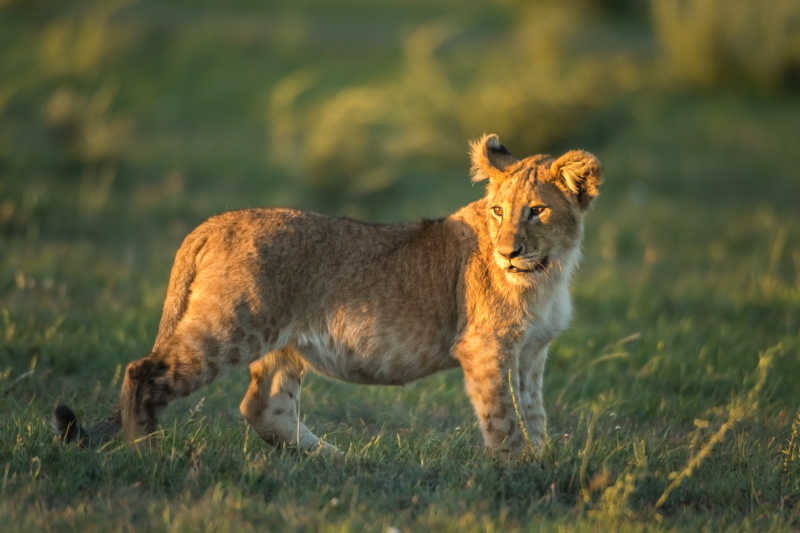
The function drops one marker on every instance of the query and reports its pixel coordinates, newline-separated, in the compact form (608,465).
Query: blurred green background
(123,124)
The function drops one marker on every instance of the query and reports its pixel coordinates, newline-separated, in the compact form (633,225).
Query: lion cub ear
(489,158)
(579,175)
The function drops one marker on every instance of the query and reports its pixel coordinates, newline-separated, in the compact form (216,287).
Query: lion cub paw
(327,450)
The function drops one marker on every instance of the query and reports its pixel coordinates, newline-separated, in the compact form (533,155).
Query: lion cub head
(534,206)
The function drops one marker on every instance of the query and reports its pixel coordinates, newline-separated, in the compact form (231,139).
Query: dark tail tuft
(66,425)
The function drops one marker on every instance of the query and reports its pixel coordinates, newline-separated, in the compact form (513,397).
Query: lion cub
(285,291)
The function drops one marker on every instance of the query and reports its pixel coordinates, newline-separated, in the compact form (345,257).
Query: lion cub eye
(535,211)
(498,211)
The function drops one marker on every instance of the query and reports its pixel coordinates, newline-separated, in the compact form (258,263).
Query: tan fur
(286,291)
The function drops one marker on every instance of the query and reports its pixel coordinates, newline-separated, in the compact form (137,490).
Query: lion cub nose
(509,252)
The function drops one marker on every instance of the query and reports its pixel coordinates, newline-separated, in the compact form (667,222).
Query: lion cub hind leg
(152,382)
(145,392)
(270,404)
(190,358)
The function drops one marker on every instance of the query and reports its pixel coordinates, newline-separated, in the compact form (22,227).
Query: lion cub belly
(372,360)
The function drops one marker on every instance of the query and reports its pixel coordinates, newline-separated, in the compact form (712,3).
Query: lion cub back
(370,303)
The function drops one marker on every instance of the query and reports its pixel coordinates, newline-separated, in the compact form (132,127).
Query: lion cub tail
(67,427)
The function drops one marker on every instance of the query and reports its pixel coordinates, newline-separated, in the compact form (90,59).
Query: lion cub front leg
(271,402)
(531,372)
(486,363)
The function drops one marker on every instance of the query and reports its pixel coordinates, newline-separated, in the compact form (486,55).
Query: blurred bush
(84,126)
(536,84)
(711,42)
(120,94)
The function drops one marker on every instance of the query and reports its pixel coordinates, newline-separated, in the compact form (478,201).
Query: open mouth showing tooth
(537,267)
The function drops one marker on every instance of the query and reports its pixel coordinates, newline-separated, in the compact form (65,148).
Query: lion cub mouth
(537,266)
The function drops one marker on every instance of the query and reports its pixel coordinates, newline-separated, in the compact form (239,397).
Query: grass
(672,399)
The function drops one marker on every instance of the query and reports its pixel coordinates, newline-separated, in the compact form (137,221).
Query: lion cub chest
(551,317)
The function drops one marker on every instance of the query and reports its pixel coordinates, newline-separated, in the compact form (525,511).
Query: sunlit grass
(124,125)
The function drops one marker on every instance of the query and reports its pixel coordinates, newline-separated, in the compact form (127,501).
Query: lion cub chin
(285,291)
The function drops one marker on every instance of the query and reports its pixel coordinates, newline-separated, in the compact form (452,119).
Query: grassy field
(673,399)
